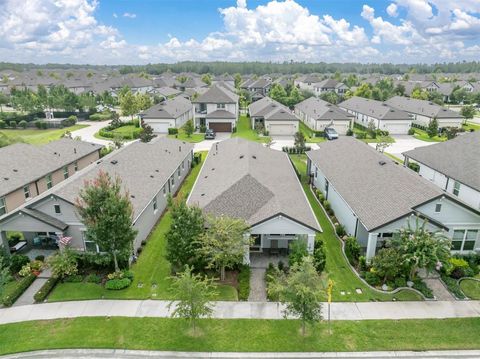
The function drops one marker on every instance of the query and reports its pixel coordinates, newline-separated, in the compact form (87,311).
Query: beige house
(27,171)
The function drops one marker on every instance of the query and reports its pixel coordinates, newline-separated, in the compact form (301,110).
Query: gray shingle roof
(171,108)
(373,108)
(246,180)
(21,163)
(421,107)
(217,114)
(217,94)
(43,217)
(271,110)
(377,194)
(322,110)
(458,158)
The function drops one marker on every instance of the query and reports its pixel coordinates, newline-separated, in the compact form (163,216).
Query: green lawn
(395,158)
(245,131)
(388,139)
(337,268)
(242,335)
(423,136)
(152,270)
(471,126)
(309,134)
(126,132)
(471,288)
(39,137)
(182,136)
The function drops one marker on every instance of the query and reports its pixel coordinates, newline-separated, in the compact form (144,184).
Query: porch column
(246,254)
(371,246)
(4,242)
(310,243)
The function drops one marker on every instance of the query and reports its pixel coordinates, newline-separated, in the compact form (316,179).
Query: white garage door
(159,127)
(282,130)
(397,128)
(340,128)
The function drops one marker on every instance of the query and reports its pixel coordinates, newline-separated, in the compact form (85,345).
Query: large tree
(301,291)
(107,213)
(224,243)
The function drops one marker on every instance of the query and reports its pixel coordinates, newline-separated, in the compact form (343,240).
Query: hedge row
(45,290)
(244,283)
(16,292)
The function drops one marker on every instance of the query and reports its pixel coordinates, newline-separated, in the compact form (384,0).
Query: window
(438,207)
(220,105)
(89,244)
(26,192)
(456,188)
(464,240)
(49,181)
(164,189)
(173,181)
(75,166)
(65,172)
(57,209)
(326,187)
(155,207)
(3,206)
(183,165)
(178,171)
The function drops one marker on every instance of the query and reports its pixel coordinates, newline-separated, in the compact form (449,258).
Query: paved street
(402,144)
(241,310)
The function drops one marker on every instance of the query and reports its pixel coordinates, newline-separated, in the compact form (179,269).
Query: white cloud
(129,15)
(392,10)
(114,15)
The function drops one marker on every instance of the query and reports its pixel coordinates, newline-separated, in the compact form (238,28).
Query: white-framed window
(221,105)
(173,181)
(57,209)
(164,189)
(3,206)
(75,166)
(65,172)
(155,206)
(26,191)
(183,165)
(464,239)
(316,172)
(456,188)
(178,171)
(438,207)
(89,245)
(48,179)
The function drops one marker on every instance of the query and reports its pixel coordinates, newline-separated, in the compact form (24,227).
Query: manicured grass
(388,139)
(471,288)
(241,335)
(39,137)
(337,267)
(182,136)
(471,126)
(309,134)
(395,158)
(125,132)
(423,136)
(245,131)
(152,270)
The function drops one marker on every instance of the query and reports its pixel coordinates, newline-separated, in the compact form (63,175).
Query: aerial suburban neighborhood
(280,179)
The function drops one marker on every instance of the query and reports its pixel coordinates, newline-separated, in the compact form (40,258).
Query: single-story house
(276,118)
(454,166)
(148,171)
(329,85)
(422,112)
(244,179)
(26,171)
(374,197)
(385,117)
(318,114)
(171,113)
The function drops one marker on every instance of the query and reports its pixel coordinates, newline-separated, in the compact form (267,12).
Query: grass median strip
(243,335)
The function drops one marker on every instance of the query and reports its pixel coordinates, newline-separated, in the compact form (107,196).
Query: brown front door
(220,126)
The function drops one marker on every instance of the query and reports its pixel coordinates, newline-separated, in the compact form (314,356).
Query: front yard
(423,136)
(245,131)
(182,136)
(471,126)
(309,134)
(36,136)
(471,288)
(151,272)
(338,269)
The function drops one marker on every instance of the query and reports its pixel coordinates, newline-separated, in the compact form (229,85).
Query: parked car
(210,134)
(330,133)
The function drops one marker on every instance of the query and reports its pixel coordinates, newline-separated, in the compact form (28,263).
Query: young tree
(107,213)
(3,101)
(207,78)
(147,134)
(420,248)
(193,295)
(188,224)
(128,104)
(330,96)
(372,129)
(301,291)
(419,94)
(224,243)
(387,263)
(299,140)
(189,128)
(238,80)
(278,93)
(142,102)
(468,112)
(432,128)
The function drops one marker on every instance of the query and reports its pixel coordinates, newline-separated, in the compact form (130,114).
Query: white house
(454,166)
(170,113)
(276,118)
(244,179)
(318,114)
(384,117)
(374,197)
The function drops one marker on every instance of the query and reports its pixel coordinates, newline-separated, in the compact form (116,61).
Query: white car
(330,133)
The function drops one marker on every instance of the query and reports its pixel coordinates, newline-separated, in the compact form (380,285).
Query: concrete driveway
(402,144)
(206,145)
(87,133)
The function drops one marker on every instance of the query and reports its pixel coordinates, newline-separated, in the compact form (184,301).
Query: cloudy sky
(143,31)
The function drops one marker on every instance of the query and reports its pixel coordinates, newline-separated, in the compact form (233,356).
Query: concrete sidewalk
(239,310)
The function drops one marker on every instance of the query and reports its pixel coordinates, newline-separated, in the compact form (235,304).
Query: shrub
(203,128)
(172,131)
(36,265)
(41,125)
(23,124)
(244,282)
(361,135)
(458,268)
(25,271)
(281,266)
(101,116)
(411,131)
(326,205)
(473,261)
(13,124)
(93,278)
(298,250)
(340,230)
(17,261)
(40,258)
(73,278)
(2,124)
(319,256)
(118,284)
(453,287)
(362,263)
(70,121)
(88,260)
(400,282)
(45,290)
(372,278)
(419,285)
(349,132)
(18,290)
(63,264)
(414,166)
(352,250)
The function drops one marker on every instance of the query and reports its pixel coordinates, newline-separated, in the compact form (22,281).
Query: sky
(150,31)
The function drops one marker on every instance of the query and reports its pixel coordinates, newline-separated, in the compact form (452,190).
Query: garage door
(220,126)
(397,129)
(282,130)
(340,128)
(159,127)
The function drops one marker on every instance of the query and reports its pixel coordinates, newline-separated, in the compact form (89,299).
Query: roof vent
(157,171)
(382,163)
(74,150)
(254,157)
(241,156)
(5,178)
(179,148)
(203,194)
(151,176)
(213,169)
(113,162)
(15,170)
(206,176)
(132,196)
